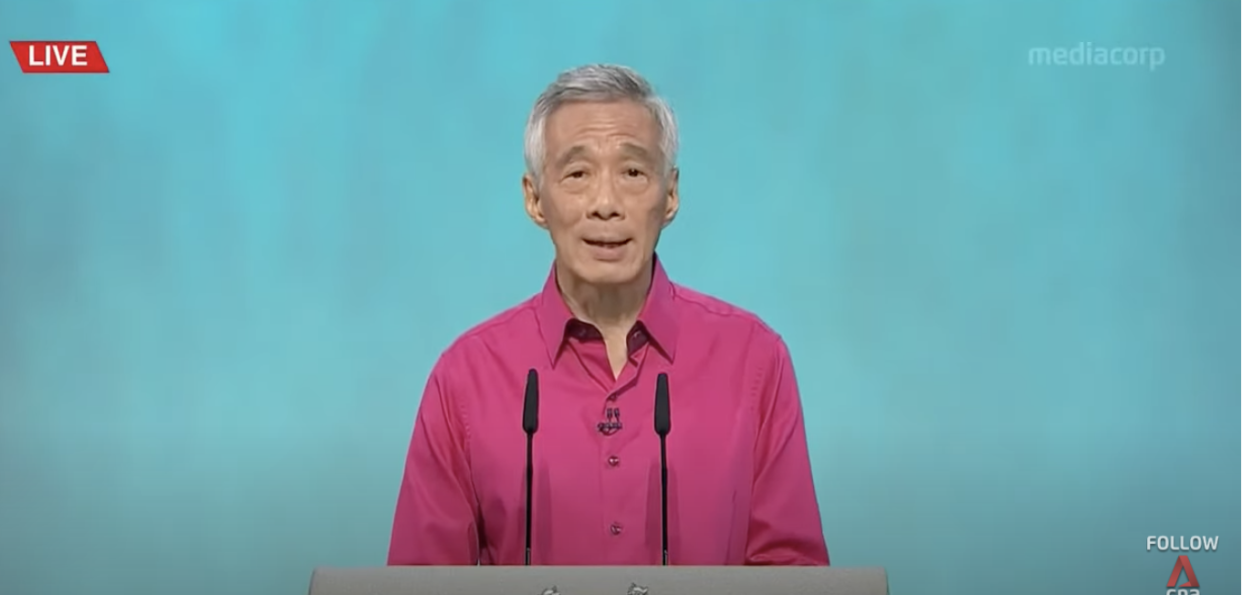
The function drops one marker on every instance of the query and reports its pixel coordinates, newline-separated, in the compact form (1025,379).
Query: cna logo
(1182,567)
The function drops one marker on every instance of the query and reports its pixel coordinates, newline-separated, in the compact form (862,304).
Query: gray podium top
(599,580)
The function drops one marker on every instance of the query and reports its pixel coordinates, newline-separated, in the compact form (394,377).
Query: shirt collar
(657,316)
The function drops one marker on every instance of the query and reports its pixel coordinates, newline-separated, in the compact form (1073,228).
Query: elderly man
(601,178)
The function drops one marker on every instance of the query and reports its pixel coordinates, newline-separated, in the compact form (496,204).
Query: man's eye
(633,172)
(576,175)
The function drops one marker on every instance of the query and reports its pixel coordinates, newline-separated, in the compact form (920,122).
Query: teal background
(1010,291)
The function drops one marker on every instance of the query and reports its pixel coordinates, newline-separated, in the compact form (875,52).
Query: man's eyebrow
(630,149)
(638,151)
(574,152)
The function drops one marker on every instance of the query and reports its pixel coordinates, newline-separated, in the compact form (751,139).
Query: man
(601,150)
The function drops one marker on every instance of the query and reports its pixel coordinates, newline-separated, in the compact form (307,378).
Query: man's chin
(607,274)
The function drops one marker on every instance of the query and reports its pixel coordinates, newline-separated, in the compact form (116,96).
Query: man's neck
(611,309)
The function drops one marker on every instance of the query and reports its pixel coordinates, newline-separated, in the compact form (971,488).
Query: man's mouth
(607,243)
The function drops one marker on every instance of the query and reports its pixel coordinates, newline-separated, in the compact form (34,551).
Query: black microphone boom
(663,425)
(530,425)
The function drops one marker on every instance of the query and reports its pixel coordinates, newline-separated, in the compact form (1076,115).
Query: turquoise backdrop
(1010,289)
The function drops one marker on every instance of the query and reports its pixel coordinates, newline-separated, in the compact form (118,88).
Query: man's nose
(606,205)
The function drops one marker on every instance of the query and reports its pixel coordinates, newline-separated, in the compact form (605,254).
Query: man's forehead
(584,150)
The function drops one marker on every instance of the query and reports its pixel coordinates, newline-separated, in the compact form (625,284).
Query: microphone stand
(530,480)
(530,425)
(663,425)
(664,500)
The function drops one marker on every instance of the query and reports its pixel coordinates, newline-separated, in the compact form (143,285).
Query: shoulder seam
(731,311)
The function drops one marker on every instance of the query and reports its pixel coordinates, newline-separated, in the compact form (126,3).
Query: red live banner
(59,57)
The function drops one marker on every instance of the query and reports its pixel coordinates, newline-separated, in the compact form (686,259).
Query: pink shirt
(740,487)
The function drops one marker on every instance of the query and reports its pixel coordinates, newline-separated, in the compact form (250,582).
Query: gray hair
(602,83)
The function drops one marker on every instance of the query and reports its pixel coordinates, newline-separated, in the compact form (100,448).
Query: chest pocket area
(711,473)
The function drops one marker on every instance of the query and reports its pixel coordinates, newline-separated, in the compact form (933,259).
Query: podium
(599,580)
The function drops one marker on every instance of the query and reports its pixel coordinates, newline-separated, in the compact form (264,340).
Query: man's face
(602,194)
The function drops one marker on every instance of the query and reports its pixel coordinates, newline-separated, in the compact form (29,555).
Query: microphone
(530,425)
(663,424)
(613,423)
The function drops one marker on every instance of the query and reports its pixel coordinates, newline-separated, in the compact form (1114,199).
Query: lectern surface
(599,580)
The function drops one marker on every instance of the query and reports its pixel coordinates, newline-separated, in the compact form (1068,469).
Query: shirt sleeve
(785,528)
(436,518)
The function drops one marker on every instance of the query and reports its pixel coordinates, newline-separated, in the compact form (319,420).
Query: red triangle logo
(1183,565)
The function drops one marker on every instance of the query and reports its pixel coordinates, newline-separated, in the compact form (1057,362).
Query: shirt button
(614,460)
(615,529)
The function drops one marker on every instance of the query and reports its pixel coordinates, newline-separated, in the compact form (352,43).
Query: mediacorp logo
(1182,566)
(59,57)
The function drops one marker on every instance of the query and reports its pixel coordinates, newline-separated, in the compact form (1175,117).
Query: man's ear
(673,200)
(534,207)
